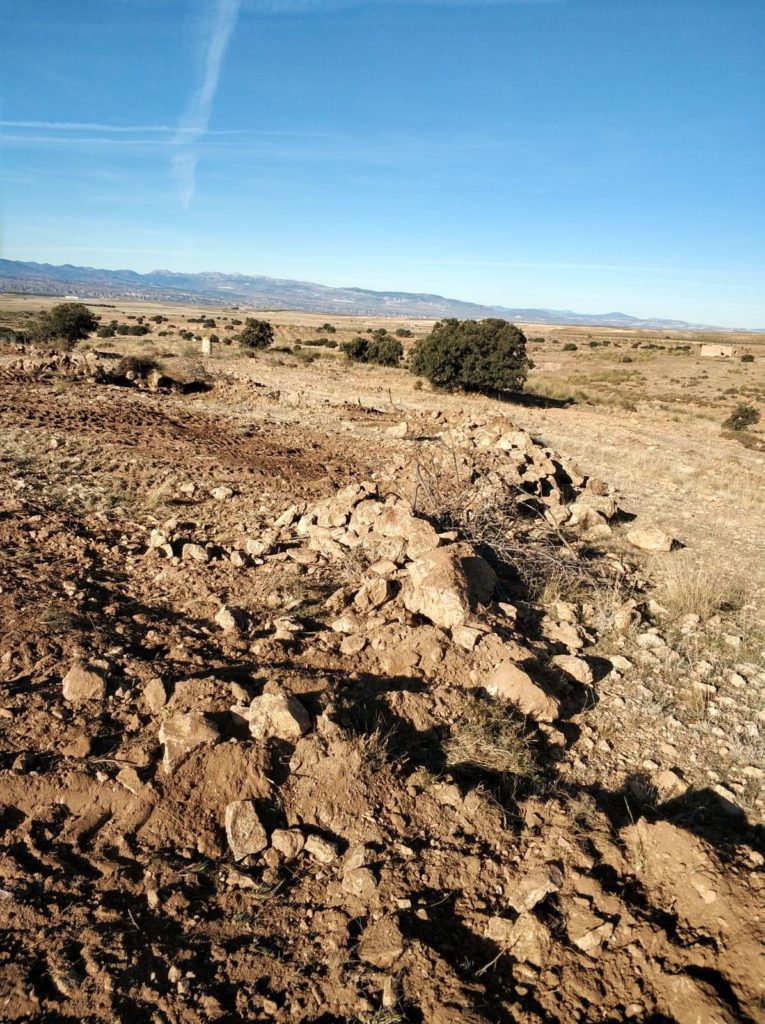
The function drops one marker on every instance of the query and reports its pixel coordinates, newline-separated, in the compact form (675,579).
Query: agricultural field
(325,696)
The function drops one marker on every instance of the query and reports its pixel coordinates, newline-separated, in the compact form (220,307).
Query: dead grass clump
(486,739)
(509,529)
(688,588)
(137,366)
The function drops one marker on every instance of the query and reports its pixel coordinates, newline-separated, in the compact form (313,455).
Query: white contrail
(86,126)
(195,121)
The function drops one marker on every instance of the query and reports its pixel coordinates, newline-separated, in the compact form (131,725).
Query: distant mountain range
(264,293)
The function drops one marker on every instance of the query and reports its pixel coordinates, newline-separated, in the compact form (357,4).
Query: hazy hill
(258,292)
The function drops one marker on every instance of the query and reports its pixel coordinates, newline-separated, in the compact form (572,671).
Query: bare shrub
(507,526)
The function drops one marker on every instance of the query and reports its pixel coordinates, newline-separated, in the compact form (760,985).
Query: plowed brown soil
(120,899)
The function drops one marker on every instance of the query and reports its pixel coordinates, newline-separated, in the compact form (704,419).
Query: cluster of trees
(381,349)
(474,355)
(135,330)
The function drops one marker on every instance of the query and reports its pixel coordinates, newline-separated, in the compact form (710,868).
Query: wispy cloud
(87,126)
(195,122)
(307,6)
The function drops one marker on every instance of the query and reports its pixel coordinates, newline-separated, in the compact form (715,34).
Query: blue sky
(594,155)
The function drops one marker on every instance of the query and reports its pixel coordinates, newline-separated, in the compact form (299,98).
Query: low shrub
(747,358)
(381,349)
(743,416)
(570,347)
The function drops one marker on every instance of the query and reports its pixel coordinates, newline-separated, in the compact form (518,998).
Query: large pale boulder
(182,733)
(83,682)
(277,716)
(444,583)
(650,538)
(511,683)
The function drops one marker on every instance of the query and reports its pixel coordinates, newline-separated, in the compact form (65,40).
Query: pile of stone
(427,602)
(499,461)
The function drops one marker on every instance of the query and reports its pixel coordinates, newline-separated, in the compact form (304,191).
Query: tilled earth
(395,881)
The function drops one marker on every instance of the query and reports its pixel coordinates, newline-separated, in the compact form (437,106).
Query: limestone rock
(443,582)
(322,850)
(194,553)
(276,716)
(398,429)
(535,886)
(229,619)
(244,830)
(650,538)
(154,694)
(182,733)
(438,588)
(84,682)
(373,594)
(466,636)
(527,937)
(576,668)
(669,785)
(288,841)
(512,684)
(361,883)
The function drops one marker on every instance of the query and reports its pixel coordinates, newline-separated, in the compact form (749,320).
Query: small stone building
(715,351)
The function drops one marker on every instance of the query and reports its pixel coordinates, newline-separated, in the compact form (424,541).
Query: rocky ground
(324,703)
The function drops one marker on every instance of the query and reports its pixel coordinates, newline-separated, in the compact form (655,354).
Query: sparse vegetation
(485,738)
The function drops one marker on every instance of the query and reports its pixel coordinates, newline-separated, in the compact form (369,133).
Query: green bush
(486,355)
(105,332)
(743,416)
(356,349)
(404,332)
(381,349)
(327,328)
(256,334)
(747,358)
(134,330)
(570,347)
(385,351)
(68,322)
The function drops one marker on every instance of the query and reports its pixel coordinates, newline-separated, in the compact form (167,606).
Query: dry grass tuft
(485,738)
(693,588)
